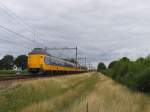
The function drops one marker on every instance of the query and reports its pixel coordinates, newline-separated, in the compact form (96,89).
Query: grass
(71,94)
(6,72)
(109,96)
(11,72)
(27,96)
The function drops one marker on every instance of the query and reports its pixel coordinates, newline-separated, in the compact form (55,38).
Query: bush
(101,67)
(143,81)
(135,75)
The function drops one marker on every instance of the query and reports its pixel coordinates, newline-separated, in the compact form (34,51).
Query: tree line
(133,74)
(8,62)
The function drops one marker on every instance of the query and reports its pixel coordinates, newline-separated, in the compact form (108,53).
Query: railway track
(17,77)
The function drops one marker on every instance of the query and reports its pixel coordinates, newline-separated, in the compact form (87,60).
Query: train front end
(35,60)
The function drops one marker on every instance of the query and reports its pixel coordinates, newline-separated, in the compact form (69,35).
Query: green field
(11,72)
(71,94)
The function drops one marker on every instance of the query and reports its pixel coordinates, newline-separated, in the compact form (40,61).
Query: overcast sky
(103,30)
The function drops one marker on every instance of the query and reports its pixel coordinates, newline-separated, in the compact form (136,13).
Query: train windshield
(39,51)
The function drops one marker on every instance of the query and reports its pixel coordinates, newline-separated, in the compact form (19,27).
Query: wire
(11,42)
(18,34)
(19,20)
(8,40)
(11,14)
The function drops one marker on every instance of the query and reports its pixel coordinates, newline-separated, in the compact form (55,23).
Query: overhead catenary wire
(17,34)
(12,15)
(8,40)
(19,20)
(13,43)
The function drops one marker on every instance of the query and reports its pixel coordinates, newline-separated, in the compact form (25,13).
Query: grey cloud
(104,30)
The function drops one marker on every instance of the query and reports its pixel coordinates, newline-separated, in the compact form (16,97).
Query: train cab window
(46,60)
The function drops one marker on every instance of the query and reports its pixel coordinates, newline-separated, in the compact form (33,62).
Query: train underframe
(38,71)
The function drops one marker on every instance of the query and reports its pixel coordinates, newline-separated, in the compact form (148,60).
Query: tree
(21,61)
(1,65)
(7,62)
(125,59)
(140,60)
(111,65)
(101,66)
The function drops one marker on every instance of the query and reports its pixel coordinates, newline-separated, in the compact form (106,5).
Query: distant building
(15,68)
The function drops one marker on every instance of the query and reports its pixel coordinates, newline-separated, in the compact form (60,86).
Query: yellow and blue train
(41,62)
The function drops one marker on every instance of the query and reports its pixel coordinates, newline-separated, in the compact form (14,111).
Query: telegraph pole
(76,57)
(89,66)
(85,59)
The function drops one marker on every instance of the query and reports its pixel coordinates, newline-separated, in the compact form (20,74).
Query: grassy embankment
(46,95)
(110,96)
(11,72)
(133,74)
(71,94)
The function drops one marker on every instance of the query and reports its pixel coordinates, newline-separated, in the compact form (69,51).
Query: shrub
(135,75)
(101,67)
(142,82)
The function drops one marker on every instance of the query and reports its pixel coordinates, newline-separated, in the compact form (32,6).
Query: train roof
(43,51)
(39,51)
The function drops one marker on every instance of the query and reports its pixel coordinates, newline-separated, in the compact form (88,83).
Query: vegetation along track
(16,77)
(53,94)
(20,77)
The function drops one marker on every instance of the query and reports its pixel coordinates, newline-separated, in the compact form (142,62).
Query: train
(41,62)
